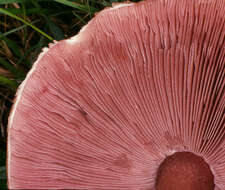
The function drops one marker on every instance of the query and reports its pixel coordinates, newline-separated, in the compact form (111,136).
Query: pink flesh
(141,83)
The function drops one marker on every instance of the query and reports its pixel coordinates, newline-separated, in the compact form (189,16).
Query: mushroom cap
(102,110)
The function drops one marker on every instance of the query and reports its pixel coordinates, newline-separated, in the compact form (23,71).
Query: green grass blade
(77,6)
(81,20)
(28,11)
(10,83)
(11,44)
(16,29)
(37,48)
(12,1)
(25,22)
(15,71)
(17,1)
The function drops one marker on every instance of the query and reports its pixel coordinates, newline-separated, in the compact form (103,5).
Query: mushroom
(135,101)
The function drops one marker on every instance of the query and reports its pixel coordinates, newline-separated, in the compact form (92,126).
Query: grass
(26,26)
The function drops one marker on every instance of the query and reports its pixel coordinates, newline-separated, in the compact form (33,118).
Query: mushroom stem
(184,171)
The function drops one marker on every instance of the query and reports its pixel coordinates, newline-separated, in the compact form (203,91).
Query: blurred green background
(26,26)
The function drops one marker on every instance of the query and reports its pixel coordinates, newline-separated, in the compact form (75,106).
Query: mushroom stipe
(135,101)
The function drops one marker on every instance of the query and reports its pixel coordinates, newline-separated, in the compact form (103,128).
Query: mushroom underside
(141,84)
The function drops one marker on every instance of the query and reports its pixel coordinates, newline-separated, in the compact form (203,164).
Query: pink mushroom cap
(112,107)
